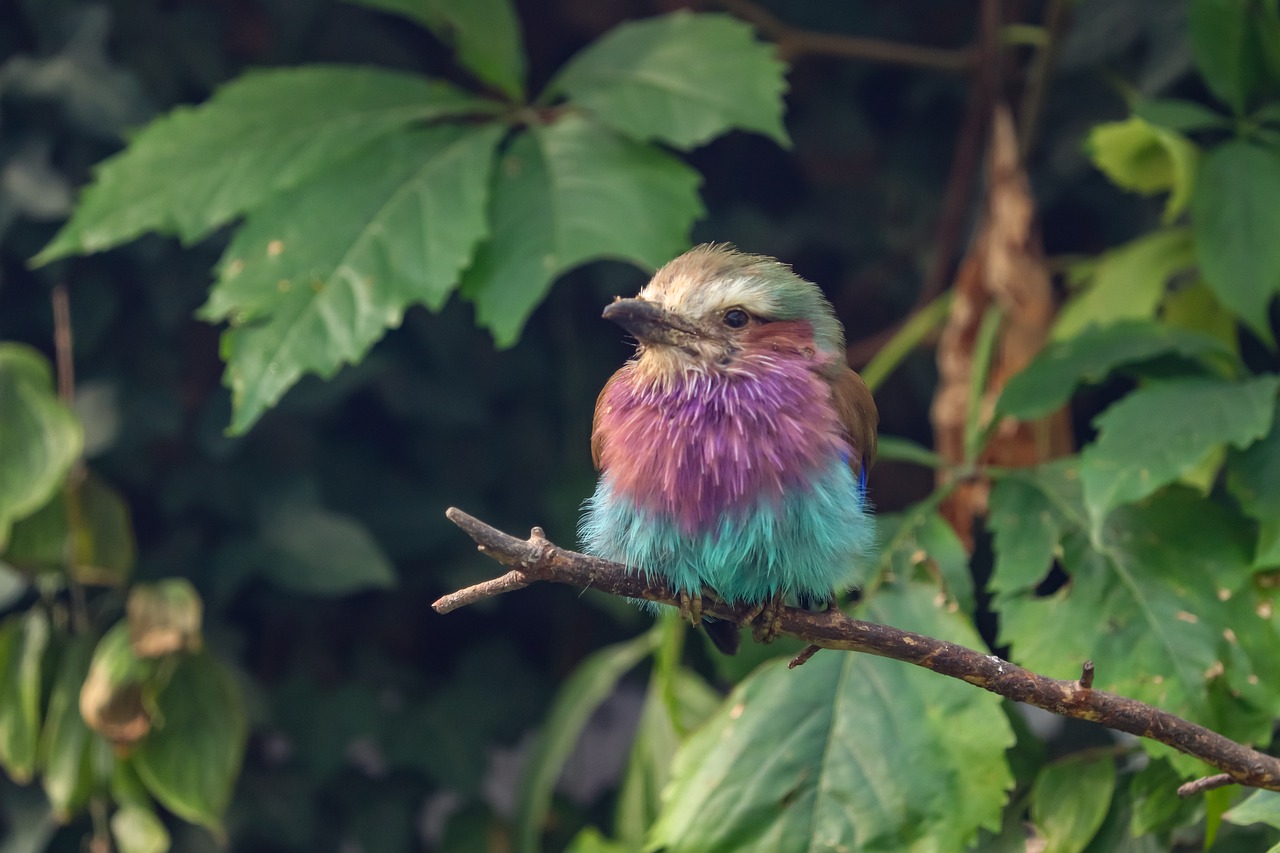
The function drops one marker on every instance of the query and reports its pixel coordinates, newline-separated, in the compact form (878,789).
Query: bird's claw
(767,619)
(691,608)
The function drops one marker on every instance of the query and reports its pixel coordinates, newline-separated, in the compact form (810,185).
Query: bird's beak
(650,323)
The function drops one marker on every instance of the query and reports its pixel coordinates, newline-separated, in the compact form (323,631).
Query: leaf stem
(983,350)
(64,352)
(913,332)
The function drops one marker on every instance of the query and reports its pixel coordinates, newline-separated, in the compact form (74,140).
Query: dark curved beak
(650,323)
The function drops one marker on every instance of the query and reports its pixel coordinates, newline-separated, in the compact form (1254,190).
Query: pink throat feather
(713,440)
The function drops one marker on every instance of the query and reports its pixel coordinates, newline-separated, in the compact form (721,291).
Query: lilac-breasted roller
(733,447)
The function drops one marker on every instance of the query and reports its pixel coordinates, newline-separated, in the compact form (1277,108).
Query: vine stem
(537,559)
(64,354)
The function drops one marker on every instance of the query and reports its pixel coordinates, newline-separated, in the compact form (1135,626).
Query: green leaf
(138,830)
(1147,159)
(1226,49)
(101,550)
(828,756)
(485,34)
(200,167)
(681,78)
(657,738)
(1236,221)
(1128,282)
(164,618)
(1157,808)
(112,699)
(1253,476)
(1258,807)
(1179,115)
(314,277)
(923,540)
(39,437)
(1162,430)
(1070,800)
(23,640)
(591,683)
(1048,382)
(1268,114)
(1152,594)
(1027,526)
(190,761)
(322,553)
(1194,307)
(591,840)
(66,743)
(571,192)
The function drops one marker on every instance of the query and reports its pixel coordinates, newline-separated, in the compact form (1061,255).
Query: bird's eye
(736,318)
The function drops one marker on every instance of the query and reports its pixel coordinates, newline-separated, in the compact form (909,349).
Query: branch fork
(537,559)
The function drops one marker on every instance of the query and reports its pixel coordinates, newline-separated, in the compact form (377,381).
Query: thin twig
(805,653)
(537,559)
(1056,16)
(1207,783)
(64,353)
(957,196)
(509,582)
(793,43)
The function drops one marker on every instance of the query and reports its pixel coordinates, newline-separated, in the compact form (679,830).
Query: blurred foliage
(208,639)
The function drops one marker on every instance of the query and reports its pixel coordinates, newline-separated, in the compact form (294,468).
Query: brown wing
(597,439)
(857,411)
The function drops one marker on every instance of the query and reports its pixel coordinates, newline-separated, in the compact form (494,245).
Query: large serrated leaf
(921,538)
(1090,356)
(314,277)
(1128,282)
(681,78)
(23,641)
(1160,598)
(1236,221)
(1163,430)
(1253,476)
(200,167)
(189,762)
(1258,807)
(1027,525)
(485,33)
(829,756)
(39,437)
(570,192)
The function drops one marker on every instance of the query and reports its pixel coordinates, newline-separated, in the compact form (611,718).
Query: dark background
(379,725)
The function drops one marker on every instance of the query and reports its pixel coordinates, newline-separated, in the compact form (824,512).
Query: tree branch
(537,559)
(793,42)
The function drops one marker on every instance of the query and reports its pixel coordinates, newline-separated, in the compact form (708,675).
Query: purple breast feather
(702,444)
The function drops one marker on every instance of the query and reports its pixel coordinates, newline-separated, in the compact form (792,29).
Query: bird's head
(713,303)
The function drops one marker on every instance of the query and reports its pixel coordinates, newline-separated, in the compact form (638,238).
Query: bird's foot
(691,608)
(767,619)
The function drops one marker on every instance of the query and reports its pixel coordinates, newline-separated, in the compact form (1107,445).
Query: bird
(733,447)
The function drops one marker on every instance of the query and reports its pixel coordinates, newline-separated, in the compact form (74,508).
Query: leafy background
(245,562)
